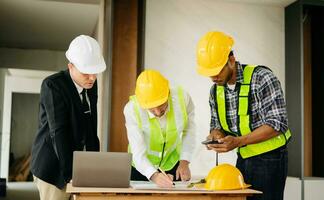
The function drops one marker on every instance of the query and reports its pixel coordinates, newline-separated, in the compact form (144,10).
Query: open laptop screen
(101,169)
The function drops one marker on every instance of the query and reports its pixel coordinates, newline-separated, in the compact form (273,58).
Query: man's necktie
(88,125)
(85,105)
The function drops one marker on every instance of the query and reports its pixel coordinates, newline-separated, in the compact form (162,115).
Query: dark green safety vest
(245,119)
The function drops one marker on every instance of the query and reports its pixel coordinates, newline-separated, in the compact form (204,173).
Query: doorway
(314,86)
(24,123)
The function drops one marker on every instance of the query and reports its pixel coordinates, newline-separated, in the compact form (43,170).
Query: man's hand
(215,135)
(227,143)
(161,180)
(183,171)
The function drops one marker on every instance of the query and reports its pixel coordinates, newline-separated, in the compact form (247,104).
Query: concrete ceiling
(52,24)
(46,24)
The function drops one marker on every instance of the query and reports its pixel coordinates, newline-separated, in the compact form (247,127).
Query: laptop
(101,169)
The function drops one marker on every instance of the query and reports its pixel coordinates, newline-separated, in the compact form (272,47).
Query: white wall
(16,81)
(173,28)
(293,189)
(33,59)
(314,189)
(2,77)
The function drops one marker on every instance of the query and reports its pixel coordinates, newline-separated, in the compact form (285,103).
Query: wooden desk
(90,193)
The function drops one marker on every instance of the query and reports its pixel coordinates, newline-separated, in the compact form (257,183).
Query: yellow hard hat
(212,53)
(225,177)
(152,89)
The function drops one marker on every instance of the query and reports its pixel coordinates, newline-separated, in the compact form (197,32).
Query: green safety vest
(163,147)
(244,118)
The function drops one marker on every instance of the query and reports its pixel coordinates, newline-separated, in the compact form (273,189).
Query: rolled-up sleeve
(272,104)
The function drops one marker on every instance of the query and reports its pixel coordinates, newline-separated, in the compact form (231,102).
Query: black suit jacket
(62,129)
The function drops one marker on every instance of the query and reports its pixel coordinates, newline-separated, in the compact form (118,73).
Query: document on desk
(146,185)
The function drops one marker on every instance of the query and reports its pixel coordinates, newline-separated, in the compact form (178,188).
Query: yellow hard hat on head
(225,177)
(152,89)
(212,53)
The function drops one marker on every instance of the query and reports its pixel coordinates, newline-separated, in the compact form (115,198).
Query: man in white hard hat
(67,118)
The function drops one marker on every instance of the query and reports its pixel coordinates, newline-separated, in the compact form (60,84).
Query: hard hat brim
(92,70)
(238,188)
(154,104)
(209,72)
(96,68)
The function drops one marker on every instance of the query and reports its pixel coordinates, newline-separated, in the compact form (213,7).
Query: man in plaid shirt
(248,112)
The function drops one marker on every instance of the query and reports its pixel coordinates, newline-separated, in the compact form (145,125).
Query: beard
(224,81)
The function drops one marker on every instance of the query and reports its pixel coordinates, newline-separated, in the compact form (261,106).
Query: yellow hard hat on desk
(212,53)
(225,177)
(152,89)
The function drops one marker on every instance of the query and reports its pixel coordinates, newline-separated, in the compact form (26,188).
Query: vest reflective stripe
(136,110)
(244,118)
(243,105)
(221,107)
(265,146)
(139,118)
(168,141)
(183,107)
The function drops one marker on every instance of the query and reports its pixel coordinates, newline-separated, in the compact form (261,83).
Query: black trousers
(137,176)
(266,172)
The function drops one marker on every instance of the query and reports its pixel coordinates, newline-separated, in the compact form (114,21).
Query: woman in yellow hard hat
(248,112)
(160,130)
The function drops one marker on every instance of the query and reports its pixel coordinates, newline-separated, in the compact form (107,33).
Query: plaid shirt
(267,102)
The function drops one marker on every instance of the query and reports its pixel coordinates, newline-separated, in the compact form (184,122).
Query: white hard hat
(85,54)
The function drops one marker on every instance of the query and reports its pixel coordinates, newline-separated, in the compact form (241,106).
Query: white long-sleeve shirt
(136,137)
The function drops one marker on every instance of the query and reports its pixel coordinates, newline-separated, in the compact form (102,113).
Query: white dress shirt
(79,88)
(137,142)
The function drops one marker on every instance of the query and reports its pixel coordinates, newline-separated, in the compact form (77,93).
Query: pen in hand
(163,172)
